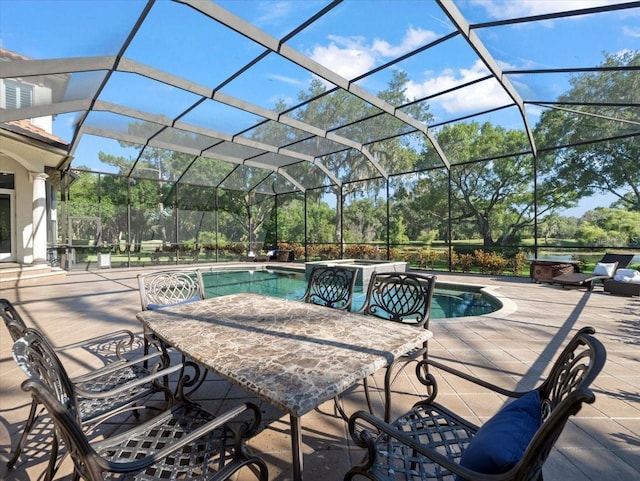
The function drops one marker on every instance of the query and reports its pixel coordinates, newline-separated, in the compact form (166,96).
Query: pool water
(447,302)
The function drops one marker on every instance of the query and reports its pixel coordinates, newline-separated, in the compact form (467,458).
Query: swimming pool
(448,300)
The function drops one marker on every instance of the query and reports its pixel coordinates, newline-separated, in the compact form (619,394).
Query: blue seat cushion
(501,442)
(153,307)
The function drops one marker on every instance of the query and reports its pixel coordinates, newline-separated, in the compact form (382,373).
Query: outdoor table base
(291,354)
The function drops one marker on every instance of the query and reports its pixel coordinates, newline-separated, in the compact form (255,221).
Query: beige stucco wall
(27,159)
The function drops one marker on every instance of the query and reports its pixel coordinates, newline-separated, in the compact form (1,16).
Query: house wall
(23,220)
(29,248)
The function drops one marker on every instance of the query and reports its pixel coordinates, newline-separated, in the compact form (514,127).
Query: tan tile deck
(601,443)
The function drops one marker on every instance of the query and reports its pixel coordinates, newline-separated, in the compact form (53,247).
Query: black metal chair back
(562,395)
(14,322)
(400,297)
(331,286)
(38,360)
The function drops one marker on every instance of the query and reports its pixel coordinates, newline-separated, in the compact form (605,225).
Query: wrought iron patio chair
(107,390)
(331,286)
(102,394)
(162,289)
(184,442)
(403,297)
(431,442)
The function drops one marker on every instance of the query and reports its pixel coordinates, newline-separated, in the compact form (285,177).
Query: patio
(602,442)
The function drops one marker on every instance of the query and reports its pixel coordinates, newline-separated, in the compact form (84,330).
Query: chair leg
(389,379)
(23,437)
(367,394)
(51,466)
(387,392)
(197,381)
(339,404)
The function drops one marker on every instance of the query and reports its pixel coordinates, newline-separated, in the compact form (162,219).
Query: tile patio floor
(601,443)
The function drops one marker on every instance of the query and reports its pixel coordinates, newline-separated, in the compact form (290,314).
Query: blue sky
(344,41)
(353,39)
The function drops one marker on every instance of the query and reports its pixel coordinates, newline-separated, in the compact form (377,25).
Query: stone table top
(292,354)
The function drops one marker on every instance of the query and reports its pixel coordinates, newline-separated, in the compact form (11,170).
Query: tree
(320,222)
(395,154)
(362,224)
(609,227)
(609,166)
(493,199)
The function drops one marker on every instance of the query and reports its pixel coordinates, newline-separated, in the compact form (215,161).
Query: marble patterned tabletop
(292,354)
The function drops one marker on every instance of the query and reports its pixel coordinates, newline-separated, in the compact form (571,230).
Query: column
(38,239)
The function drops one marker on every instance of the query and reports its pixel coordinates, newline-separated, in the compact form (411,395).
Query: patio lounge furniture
(432,442)
(626,282)
(184,442)
(272,253)
(619,288)
(403,297)
(262,258)
(331,286)
(100,395)
(605,269)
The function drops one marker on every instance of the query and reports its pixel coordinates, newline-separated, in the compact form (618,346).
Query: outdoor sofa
(626,282)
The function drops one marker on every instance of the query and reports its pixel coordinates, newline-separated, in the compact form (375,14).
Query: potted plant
(104,257)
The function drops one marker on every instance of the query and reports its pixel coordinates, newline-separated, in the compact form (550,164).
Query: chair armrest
(129,385)
(97,339)
(128,340)
(366,439)
(118,365)
(472,379)
(175,445)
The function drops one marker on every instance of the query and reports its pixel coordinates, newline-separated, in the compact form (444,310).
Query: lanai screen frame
(281,156)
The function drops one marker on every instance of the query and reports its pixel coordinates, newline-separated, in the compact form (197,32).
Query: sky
(354,38)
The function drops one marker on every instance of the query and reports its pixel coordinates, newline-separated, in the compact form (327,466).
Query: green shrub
(427,257)
(362,251)
(490,262)
(518,261)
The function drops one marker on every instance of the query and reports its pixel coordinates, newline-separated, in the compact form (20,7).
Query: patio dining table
(292,354)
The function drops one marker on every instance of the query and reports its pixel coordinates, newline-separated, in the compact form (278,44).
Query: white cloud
(353,56)
(501,9)
(479,96)
(631,32)
(345,56)
(287,80)
(273,12)
(413,38)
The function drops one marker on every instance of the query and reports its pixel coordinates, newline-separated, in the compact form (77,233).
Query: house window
(17,95)
(7,181)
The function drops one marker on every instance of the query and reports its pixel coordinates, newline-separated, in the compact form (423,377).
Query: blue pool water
(448,301)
